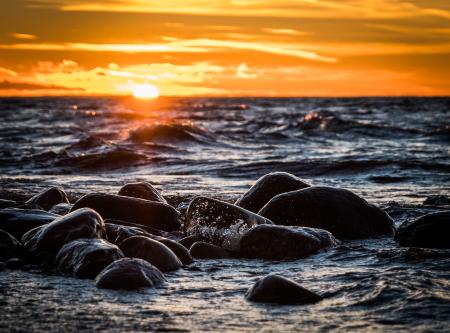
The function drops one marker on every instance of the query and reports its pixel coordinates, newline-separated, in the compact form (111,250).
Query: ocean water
(392,151)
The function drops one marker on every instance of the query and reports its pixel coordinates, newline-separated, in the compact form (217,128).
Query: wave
(170,132)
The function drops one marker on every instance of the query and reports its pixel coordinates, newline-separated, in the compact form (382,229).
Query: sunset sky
(226,48)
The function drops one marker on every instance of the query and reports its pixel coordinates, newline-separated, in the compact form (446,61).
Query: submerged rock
(15,263)
(278,289)
(62,208)
(429,231)
(18,221)
(142,190)
(152,251)
(267,187)
(283,242)
(220,223)
(341,212)
(134,210)
(85,258)
(180,251)
(437,200)
(43,243)
(49,198)
(9,246)
(202,250)
(129,274)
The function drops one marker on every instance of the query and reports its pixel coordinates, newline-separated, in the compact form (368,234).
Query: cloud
(21,85)
(243,72)
(23,36)
(290,32)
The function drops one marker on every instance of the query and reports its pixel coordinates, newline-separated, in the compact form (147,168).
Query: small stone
(49,198)
(142,190)
(202,250)
(61,208)
(15,263)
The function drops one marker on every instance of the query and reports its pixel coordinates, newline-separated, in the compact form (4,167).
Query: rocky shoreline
(130,239)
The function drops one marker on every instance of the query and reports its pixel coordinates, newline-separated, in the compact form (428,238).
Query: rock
(180,251)
(189,240)
(267,187)
(62,208)
(202,250)
(49,198)
(220,223)
(152,251)
(7,203)
(429,231)
(142,190)
(9,246)
(283,242)
(85,258)
(116,234)
(341,212)
(134,210)
(18,221)
(2,266)
(43,243)
(437,200)
(129,274)
(15,263)
(278,289)
(149,230)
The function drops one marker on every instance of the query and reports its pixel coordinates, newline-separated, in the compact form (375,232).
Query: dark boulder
(437,200)
(202,250)
(152,251)
(43,243)
(278,289)
(147,229)
(7,203)
(18,221)
(15,263)
(283,242)
(116,234)
(180,251)
(129,274)
(9,246)
(142,190)
(49,198)
(85,258)
(189,240)
(429,231)
(143,212)
(62,208)
(267,187)
(220,223)
(341,212)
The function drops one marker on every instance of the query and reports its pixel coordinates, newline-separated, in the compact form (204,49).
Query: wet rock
(149,230)
(202,250)
(116,234)
(267,187)
(143,212)
(142,190)
(49,198)
(43,243)
(15,263)
(2,266)
(278,289)
(341,212)
(7,203)
(437,200)
(85,258)
(18,221)
(220,223)
(180,251)
(9,246)
(129,274)
(189,240)
(61,208)
(283,242)
(429,231)
(152,251)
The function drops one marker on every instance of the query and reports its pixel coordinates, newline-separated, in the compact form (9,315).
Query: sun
(145,91)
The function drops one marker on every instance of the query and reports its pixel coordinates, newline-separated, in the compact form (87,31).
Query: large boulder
(9,246)
(278,289)
(43,243)
(220,223)
(129,274)
(283,242)
(142,190)
(267,187)
(152,251)
(429,231)
(18,221)
(49,198)
(202,250)
(341,212)
(85,258)
(148,213)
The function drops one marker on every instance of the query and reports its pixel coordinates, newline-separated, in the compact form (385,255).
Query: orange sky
(225,47)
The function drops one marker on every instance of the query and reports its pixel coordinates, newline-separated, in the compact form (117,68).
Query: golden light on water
(145,91)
